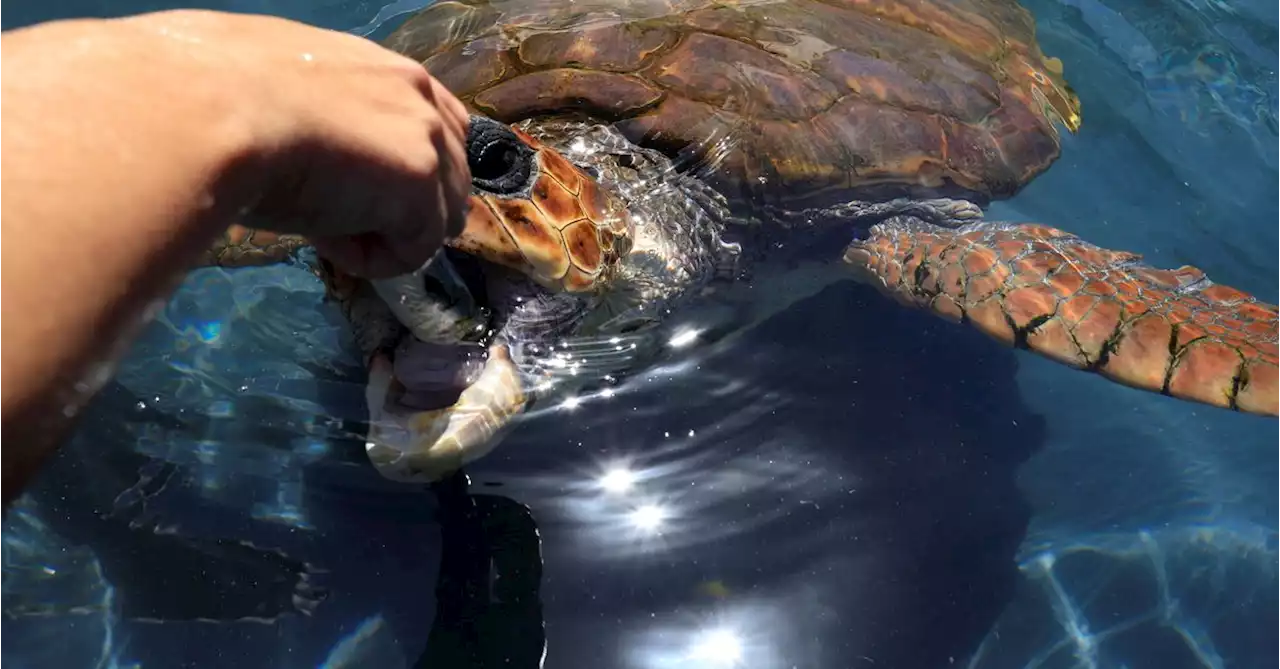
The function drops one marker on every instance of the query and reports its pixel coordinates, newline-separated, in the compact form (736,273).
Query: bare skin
(132,143)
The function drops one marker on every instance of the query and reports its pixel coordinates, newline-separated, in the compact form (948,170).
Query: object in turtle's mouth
(434,374)
(446,308)
(471,272)
(444,301)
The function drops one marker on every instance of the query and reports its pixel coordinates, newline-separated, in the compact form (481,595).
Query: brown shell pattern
(567,235)
(822,100)
(1037,287)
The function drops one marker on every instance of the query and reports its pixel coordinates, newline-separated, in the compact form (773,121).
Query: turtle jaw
(442,397)
(425,445)
(435,406)
(449,390)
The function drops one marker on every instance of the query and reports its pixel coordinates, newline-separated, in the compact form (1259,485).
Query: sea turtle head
(576,245)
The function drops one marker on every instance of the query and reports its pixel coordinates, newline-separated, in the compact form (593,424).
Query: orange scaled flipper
(1036,287)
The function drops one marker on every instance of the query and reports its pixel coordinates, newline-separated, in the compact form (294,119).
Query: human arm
(131,143)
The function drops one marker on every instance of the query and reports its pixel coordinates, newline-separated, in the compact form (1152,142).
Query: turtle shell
(816,102)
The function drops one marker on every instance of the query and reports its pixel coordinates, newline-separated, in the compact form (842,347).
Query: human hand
(357,147)
(133,142)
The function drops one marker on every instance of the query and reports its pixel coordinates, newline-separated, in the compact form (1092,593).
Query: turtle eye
(500,163)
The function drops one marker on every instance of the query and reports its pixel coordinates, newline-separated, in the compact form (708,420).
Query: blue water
(852,485)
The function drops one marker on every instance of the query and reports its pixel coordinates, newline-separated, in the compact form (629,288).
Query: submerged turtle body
(657,147)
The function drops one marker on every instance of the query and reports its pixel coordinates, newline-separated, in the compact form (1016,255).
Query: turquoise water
(851,484)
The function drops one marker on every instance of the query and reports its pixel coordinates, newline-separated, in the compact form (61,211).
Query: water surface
(850,485)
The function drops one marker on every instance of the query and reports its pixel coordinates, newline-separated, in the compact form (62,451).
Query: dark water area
(851,484)
(810,494)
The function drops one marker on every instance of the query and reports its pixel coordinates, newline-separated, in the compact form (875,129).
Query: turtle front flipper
(1032,286)
(240,246)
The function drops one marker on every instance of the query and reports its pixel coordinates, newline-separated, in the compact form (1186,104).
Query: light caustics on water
(387,13)
(61,611)
(244,348)
(48,580)
(1090,618)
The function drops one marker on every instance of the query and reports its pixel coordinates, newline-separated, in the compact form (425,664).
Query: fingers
(430,203)
(384,179)
(452,108)
(437,192)
(454,168)
(367,254)
(405,216)
(451,147)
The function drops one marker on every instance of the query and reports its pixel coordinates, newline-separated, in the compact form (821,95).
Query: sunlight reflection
(718,647)
(621,513)
(684,337)
(617,480)
(649,518)
(661,482)
(684,490)
(723,639)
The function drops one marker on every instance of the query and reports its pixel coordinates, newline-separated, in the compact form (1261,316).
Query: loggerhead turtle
(631,157)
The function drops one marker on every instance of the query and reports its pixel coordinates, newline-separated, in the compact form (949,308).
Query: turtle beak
(533,215)
(424,446)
